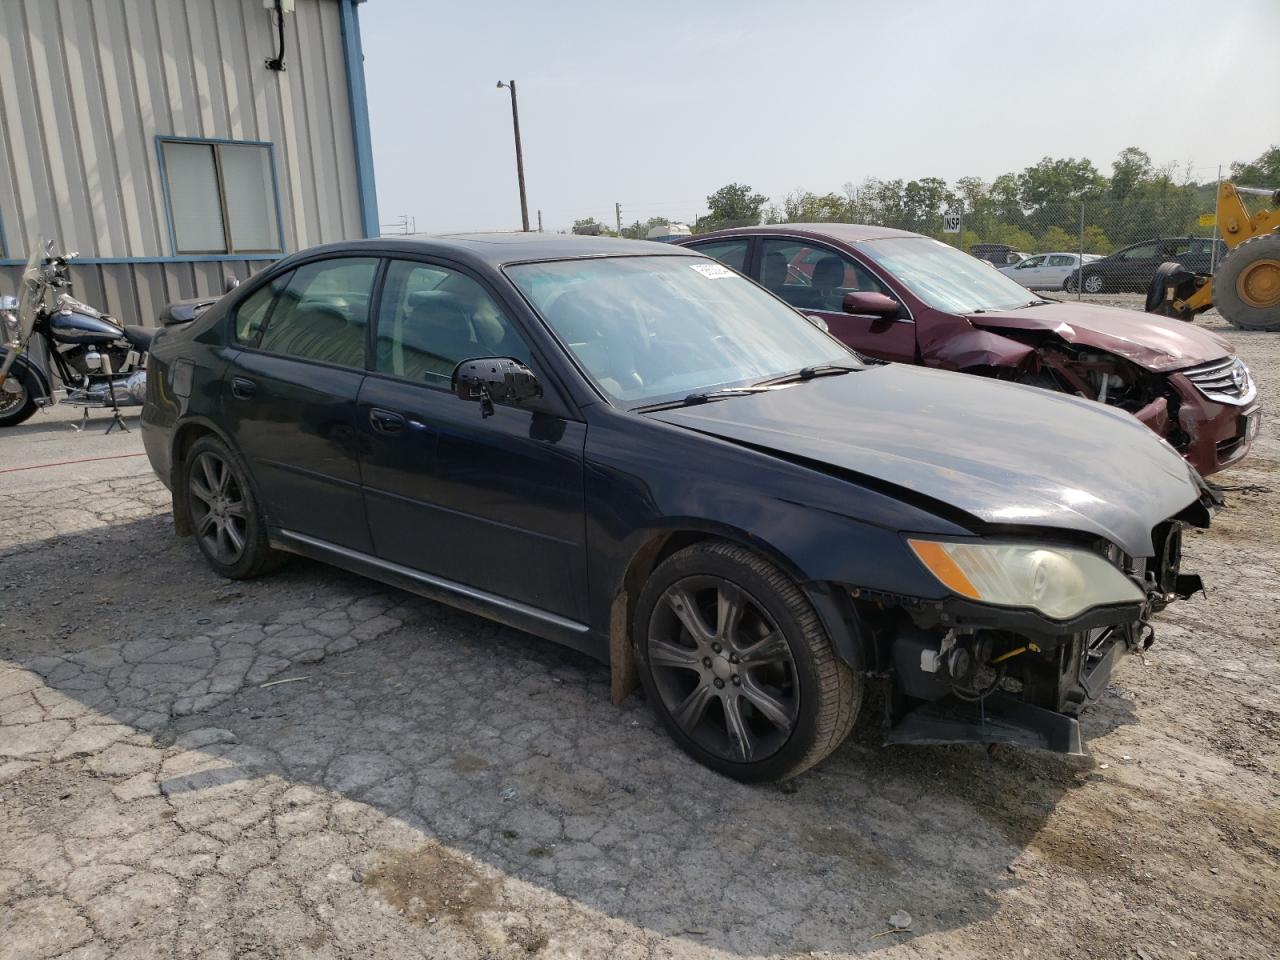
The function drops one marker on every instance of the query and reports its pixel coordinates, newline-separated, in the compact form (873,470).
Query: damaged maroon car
(899,296)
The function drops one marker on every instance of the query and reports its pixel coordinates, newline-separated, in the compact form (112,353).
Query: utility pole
(515,122)
(539,221)
(617,210)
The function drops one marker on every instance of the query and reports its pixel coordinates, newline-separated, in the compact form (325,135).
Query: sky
(655,104)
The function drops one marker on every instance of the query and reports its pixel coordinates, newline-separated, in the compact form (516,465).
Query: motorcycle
(46,332)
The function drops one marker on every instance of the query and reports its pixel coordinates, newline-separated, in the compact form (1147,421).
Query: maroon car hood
(1155,343)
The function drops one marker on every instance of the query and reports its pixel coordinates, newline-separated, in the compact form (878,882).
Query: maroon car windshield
(945,278)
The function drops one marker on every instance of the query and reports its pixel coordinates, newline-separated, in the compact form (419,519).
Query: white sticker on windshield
(716,271)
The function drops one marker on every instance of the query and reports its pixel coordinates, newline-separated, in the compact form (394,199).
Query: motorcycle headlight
(1060,582)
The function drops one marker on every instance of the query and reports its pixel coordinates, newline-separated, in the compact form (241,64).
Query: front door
(814,280)
(492,503)
(290,396)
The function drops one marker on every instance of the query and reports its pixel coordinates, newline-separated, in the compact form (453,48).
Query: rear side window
(251,315)
(732,253)
(1059,260)
(323,312)
(432,318)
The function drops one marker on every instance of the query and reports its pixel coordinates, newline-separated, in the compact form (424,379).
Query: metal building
(155,138)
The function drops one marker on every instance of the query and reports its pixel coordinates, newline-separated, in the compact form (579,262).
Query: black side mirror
(493,380)
(869,303)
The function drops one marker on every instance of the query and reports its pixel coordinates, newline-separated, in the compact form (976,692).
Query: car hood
(1006,454)
(1154,343)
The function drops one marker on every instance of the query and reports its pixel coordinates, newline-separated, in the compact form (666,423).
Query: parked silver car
(1046,271)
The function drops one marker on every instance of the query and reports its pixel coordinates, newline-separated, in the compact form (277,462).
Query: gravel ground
(315,766)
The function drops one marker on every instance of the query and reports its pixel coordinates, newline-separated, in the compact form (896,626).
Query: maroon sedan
(895,295)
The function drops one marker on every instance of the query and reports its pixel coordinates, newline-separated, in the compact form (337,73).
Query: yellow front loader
(1245,287)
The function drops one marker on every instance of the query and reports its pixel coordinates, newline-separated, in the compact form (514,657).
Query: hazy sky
(655,104)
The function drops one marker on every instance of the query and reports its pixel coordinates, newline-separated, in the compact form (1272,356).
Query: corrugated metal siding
(87,85)
(136,293)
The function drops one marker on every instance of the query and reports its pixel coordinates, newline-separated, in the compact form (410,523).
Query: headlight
(1060,582)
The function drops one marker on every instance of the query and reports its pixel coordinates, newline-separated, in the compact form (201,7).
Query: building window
(221,196)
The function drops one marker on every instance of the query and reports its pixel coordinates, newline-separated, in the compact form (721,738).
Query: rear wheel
(1246,286)
(17,398)
(228,525)
(738,666)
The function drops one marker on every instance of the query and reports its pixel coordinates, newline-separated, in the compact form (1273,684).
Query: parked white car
(1045,271)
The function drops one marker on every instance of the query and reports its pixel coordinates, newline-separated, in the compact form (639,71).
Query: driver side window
(431,318)
(810,277)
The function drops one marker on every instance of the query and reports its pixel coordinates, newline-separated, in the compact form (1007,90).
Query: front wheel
(228,525)
(738,666)
(1093,283)
(17,398)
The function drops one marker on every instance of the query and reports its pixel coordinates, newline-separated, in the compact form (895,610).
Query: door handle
(242,388)
(384,421)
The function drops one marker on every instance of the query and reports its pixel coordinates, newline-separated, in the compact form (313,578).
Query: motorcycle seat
(140,337)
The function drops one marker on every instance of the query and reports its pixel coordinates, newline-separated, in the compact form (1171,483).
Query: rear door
(814,278)
(492,503)
(1056,269)
(290,396)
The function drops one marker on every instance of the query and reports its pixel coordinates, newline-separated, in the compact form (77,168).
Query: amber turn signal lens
(934,556)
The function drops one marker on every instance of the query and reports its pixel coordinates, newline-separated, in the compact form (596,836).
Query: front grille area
(1227,381)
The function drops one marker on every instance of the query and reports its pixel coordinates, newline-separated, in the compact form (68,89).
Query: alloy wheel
(1093,283)
(219,514)
(723,669)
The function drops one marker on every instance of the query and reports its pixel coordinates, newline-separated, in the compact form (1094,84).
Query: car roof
(498,249)
(842,232)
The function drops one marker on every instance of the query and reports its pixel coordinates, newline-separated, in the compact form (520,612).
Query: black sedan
(1132,268)
(637,452)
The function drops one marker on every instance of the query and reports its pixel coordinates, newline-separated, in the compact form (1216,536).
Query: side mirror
(870,303)
(491,380)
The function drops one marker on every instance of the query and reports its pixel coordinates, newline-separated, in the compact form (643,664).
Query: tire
(1157,290)
(754,689)
(1246,285)
(226,520)
(16,407)
(1094,283)
(1068,285)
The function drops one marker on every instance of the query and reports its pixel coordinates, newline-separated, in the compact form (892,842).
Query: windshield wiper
(705,396)
(1034,303)
(808,373)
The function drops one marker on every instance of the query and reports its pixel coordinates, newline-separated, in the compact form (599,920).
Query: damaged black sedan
(643,455)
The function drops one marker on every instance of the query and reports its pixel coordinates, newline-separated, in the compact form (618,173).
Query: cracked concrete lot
(313,765)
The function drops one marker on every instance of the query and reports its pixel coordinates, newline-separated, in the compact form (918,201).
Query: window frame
(217,143)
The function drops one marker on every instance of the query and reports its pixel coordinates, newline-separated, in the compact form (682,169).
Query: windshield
(648,329)
(14,340)
(943,277)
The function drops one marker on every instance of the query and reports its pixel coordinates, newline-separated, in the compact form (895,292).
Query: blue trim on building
(353,58)
(161,140)
(181,258)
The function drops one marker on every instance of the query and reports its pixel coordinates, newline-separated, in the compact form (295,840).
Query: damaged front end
(964,670)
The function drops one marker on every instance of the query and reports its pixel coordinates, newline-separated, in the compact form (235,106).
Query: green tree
(1262,172)
(800,206)
(1052,181)
(1055,238)
(1130,168)
(1095,240)
(733,205)
(589,226)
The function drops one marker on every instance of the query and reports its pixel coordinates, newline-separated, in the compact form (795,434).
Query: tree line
(1038,208)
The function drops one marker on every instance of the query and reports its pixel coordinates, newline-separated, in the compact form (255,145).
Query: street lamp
(515,120)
